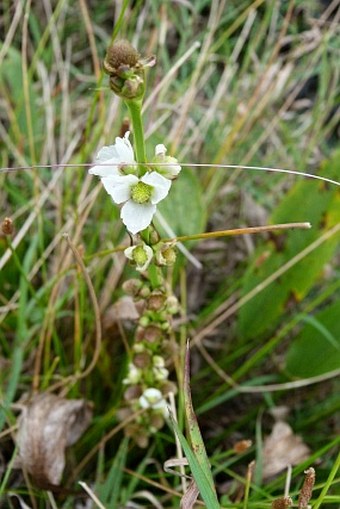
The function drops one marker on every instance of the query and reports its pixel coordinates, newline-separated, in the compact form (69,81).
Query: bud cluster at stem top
(126,69)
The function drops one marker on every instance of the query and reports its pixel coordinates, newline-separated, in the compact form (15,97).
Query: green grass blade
(203,482)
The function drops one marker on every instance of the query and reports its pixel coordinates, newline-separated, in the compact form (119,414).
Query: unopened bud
(156,300)
(168,387)
(172,305)
(132,392)
(121,53)
(152,334)
(156,422)
(127,70)
(144,292)
(142,360)
(132,286)
(144,321)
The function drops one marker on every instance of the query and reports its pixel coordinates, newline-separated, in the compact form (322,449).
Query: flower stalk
(139,187)
(135,110)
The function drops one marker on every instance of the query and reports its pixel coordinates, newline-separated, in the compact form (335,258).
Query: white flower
(158,361)
(140,196)
(133,376)
(112,157)
(117,168)
(160,373)
(171,169)
(141,255)
(153,398)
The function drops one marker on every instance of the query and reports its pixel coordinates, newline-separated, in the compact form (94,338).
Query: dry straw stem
(98,327)
(91,494)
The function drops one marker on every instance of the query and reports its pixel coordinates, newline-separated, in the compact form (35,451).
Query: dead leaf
(125,309)
(282,448)
(190,496)
(47,425)
(20,501)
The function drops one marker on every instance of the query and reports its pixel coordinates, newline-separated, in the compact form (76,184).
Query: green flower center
(139,255)
(141,192)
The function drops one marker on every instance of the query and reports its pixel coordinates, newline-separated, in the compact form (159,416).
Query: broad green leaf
(316,349)
(313,201)
(183,209)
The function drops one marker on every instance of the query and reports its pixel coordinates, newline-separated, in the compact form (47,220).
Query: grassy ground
(239,83)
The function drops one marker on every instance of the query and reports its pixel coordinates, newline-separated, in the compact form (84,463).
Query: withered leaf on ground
(282,448)
(47,425)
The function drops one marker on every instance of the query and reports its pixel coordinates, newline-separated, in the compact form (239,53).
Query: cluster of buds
(147,380)
(126,69)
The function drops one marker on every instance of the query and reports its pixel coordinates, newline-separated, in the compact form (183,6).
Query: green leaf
(12,87)
(109,491)
(316,349)
(184,209)
(313,201)
(194,432)
(201,479)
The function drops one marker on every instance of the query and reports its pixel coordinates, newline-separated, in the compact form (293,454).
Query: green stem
(135,109)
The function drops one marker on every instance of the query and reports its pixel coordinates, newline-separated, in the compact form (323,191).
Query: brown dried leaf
(47,425)
(282,448)
(122,310)
(190,496)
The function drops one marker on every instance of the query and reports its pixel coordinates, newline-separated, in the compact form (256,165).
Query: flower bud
(133,392)
(152,334)
(142,360)
(124,413)
(168,387)
(144,292)
(169,166)
(144,321)
(172,305)
(156,301)
(126,70)
(121,53)
(132,286)
(156,422)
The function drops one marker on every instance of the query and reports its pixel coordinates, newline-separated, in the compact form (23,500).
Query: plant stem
(135,109)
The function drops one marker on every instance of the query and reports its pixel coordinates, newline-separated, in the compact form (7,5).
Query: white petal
(160,185)
(118,187)
(151,398)
(106,153)
(124,149)
(136,216)
(129,252)
(107,169)
(160,150)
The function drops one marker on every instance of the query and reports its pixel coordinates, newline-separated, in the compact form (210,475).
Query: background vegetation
(237,82)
